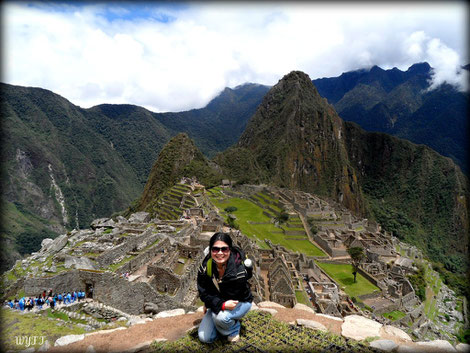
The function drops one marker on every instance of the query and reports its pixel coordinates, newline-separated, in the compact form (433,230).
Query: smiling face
(222,254)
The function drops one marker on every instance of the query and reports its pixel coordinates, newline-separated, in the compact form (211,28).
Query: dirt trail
(171,328)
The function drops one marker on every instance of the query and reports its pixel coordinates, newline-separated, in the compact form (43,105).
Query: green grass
(179,268)
(247,212)
(28,324)
(434,284)
(302,298)
(114,267)
(394,315)
(342,274)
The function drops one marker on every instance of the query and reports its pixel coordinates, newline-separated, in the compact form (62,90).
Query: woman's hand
(230,304)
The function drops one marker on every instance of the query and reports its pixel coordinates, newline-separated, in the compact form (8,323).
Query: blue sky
(173,56)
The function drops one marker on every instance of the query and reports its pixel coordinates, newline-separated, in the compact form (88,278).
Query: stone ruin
(162,257)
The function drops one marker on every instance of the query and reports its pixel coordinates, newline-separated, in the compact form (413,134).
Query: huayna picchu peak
(297,140)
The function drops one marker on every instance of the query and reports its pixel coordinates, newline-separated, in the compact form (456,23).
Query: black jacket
(234,284)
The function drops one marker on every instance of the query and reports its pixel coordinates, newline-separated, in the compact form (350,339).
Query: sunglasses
(224,249)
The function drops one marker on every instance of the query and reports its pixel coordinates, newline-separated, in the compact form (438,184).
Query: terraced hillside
(255,216)
(172,203)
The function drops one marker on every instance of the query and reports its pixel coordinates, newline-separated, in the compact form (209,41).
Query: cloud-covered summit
(173,57)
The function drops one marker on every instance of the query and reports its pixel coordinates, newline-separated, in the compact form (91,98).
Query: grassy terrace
(394,315)
(26,324)
(342,274)
(248,212)
(434,284)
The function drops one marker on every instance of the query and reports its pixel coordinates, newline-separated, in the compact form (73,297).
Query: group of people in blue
(46,299)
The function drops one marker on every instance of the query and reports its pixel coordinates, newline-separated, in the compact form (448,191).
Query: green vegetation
(179,268)
(357,255)
(248,214)
(302,298)
(17,324)
(341,273)
(230,209)
(260,332)
(418,282)
(126,259)
(394,315)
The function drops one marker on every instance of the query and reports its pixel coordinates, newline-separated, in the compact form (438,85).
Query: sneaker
(233,339)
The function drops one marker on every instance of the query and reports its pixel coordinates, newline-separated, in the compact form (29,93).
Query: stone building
(280,283)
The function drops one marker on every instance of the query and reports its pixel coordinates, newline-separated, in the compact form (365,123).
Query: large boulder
(150,308)
(300,306)
(79,263)
(384,345)
(360,328)
(65,340)
(437,346)
(169,313)
(56,245)
(311,324)
(394,332)
(139,217)
(268,304)
(462,347)
(45,244)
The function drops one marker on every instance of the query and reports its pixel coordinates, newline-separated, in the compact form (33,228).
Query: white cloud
(138,58)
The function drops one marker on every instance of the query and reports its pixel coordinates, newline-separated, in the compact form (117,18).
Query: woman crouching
(222,282)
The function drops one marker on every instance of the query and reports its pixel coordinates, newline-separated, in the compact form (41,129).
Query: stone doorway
(89,290)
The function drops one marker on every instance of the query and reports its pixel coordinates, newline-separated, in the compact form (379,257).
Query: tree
(357,255)
(230,209)
(282,217)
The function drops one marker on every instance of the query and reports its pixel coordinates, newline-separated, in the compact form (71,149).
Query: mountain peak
(419,68)
(294,135)
(175,156)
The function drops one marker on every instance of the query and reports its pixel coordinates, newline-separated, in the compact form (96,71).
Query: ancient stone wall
(66,281)
(146,256)
(108,288)
(323,244)
(165,281)
(134,242)
(368,276)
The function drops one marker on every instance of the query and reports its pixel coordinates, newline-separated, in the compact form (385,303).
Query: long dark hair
(222,237)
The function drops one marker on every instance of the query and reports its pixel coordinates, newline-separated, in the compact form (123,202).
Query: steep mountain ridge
(296,140)
(178,158)
(401,104)
(100,158)
(58,172)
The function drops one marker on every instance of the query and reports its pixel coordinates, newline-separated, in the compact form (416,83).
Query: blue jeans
(225,322)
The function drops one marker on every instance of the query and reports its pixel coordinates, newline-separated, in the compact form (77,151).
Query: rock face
(360,328)
(297,140)
(56,245)
(294,136)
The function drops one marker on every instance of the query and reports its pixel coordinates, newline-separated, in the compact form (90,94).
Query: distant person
(222,283)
